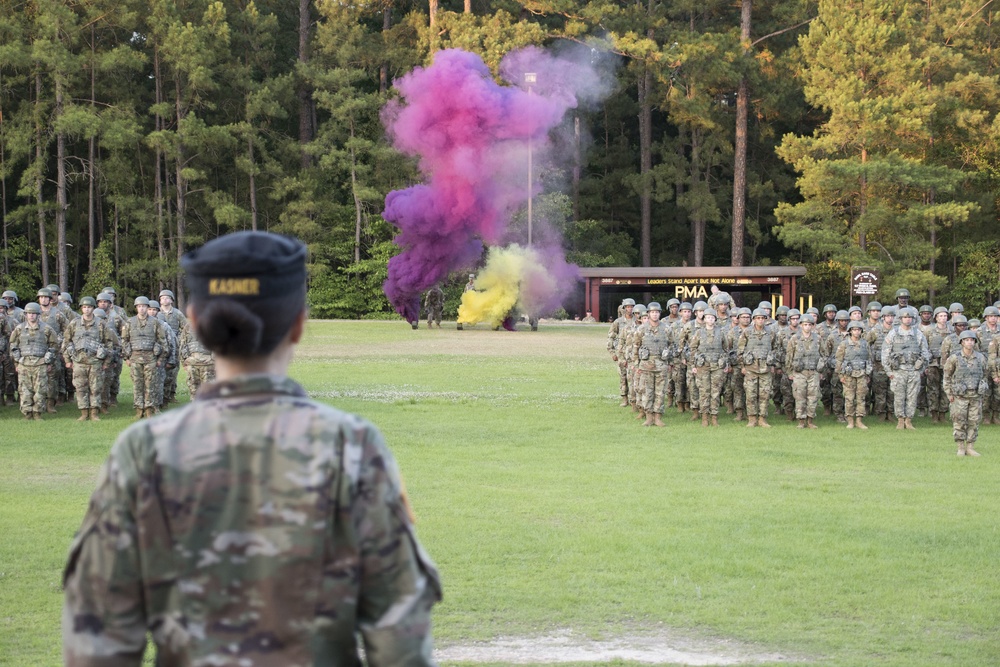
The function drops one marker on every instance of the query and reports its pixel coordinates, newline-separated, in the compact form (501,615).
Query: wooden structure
(605,287)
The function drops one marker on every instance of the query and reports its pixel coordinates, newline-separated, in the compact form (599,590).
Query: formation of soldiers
(892,362)
(51,354)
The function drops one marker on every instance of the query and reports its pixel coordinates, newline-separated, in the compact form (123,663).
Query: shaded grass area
(546,507)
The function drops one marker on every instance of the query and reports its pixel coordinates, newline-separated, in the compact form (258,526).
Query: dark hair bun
(229,328)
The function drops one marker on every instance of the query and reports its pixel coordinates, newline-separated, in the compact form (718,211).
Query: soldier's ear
(298,327)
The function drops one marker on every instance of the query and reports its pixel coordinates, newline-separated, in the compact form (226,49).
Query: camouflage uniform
(833,341)
(86,348)
(6,363)
(905,354)
(198,362)
(175,320)
(783,378)
(882,400)
(112,380)
(54,317)
(757,351)
(805,359)
(34,348)
(710,352)
(650,345)
(145,347)
(736,381)
(678,365)
(964,382)
(434,305)
(854,365)
(937,401)
(991,403)
(618,330)
(271,541)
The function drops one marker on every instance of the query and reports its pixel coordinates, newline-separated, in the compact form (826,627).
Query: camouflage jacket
(251,527)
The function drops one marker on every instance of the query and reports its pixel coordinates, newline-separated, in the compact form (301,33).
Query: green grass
(547,507)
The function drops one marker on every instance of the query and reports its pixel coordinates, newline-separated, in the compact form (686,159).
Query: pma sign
(864,281)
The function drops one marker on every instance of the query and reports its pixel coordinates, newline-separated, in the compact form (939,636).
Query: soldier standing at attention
(742,317)
(936,333)
(854,365)
(434,305)
(33,346)
(757,349)
(52,316)
(170,359)
(710,351)
(651,344)
(905,353)
(144,348)
(87,346)
(965,385)
(6,324)
(626,349)
(616,332)
(251,526)
(881,390)
(198,360)
(175,320)
(805,360)
(989,331)
(678,368)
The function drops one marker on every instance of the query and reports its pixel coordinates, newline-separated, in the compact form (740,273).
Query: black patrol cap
(246,266)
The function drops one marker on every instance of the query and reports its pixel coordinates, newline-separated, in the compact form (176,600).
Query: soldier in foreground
(966,386)
(273,540)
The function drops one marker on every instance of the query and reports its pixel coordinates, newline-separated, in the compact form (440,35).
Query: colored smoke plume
(471,137)
(531,280)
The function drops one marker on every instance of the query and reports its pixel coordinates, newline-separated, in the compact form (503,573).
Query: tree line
(830,133)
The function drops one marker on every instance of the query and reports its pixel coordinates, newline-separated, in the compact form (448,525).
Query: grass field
(549,509)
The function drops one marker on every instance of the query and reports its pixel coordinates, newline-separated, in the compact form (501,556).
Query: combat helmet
(759,312)
(794,312)
(99,312)
(888,311)
(975,323)
(154,304)
(673,302)
(640,309)
(711,312)
(166,292)
(903,292)
(141,301)
(956,308)
(10,294)
(88,301)
(808,318)
(745,311)
(686,306)
(655,305)
(104,296)
(967,334)
(855,325)
(625,302)
(842,316)
(766,305)
(854,309)
(991,310)
(829,308)
(699,306)
(45,291)
(925,309)
(959,319)
(782,310)
(874,305)
(32,307)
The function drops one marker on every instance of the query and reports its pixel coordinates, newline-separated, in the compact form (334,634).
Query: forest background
(827,134)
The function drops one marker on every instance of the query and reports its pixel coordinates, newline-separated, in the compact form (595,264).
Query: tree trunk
(468,6)
(158,174)
(383,71)
(181,213)
(62,266)
(91,160)
(39,181)
(253,186)
(305,93)
(740,157)
(432,36)
(645,165)
(577,167)
(697,215)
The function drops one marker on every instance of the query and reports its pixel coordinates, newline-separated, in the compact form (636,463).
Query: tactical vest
(53,320)
(969,372)
(711,348)
(32,342)
(935,339)
(986,337)
(142,338)
(876,339)
(904,351)
(856,357)
(806,354)
(758,347)
(87,342)
(654,342)
(195,351)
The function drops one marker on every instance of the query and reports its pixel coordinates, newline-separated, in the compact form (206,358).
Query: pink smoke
(470,135)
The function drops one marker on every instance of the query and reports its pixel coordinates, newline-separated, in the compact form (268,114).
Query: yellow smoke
(497,286)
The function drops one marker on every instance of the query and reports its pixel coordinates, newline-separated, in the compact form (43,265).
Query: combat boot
(826,411)
(138,413)
(969,451)
(95,414)
(657,421)
(762,422)
(649,419)
(37,416)
(810,424)
(715,420)
(751,421)
(681,408)
(961,447)
(850,422)
(900,424)
(740,415)
(50,407)
(729,407)
(104,409)
(790,414)
(860,424)
(84,415)
(908,425)
(27,416)
(704,419)
(802,423)
(694,415)
(624,403)
(641,414)
(841,419)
